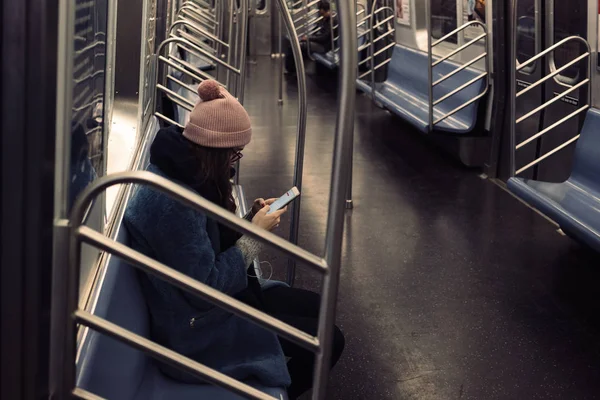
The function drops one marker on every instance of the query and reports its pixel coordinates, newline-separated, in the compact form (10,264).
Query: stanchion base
(349,205)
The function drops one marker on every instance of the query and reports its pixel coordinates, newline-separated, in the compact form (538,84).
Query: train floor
(450,287)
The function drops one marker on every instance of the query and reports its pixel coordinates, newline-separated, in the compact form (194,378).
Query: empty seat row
(575,203)
(405,92)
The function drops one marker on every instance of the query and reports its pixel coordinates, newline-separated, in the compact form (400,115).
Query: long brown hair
(214,167)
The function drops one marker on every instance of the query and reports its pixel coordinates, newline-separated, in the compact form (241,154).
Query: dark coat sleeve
(177,237)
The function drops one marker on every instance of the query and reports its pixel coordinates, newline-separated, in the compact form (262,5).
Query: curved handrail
(515,67)
(197,29)
(432,121)
(551,49)
(301,131)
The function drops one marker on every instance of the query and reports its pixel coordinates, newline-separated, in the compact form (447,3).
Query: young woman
(201,157)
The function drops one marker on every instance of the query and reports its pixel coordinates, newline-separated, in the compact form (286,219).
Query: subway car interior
(446,156)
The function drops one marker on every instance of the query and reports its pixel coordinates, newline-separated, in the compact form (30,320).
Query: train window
(527,28)
(87,128)
(570,19)
(443,19)
(261,6)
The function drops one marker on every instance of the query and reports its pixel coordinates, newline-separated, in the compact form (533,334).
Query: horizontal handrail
(200,204)
(454,32)
(309,5)
(378,52)
(190,66)
(552,101)
(196,13)
(554,125)
(556,149)
(198,30)
(459,49)
(465,104)
(198,49)
(551,49)
(461,68)
(461,87)
(197,288)
(195,40)
(381,64)
(181,69)
(163,354)
(188,105)
(433,102)
(199,18)
(182,84)
(553,74)
(307,15)
(167,119)
(312,22)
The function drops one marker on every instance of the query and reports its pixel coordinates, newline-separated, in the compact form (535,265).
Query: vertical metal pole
(512,61)
(220,9)
(281,58)
(243,49)
(62,350)
(349,202)
(241,84)
(372,48)
(143,70)
(301,133)
(339,181)
(429,63)
(230,41)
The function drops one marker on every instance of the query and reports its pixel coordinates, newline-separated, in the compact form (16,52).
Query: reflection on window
(526,33)
(569,20)
(443,18)
(87,140)
(88,92)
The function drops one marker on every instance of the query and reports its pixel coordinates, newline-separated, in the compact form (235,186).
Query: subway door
(529,43)
(563,19)
(259,39)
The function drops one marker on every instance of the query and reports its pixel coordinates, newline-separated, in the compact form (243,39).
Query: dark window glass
(526,33)
(443,18)
(569,20)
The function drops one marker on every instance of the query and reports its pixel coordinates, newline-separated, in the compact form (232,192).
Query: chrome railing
(516,67)
(67,315)
(286,18)
(432,64)
(379,17)
(196,40)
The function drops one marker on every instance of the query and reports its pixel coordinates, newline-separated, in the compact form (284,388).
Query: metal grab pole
(339,181)
(281,59)
(429,63)
(513,86)
(301,138)
(241,83)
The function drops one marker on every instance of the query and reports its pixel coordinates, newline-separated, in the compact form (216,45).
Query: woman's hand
(260,203)
(268,221)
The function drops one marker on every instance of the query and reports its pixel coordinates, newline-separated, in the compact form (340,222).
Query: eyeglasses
(237,156)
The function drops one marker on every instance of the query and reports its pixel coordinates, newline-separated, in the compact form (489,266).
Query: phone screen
(284,200)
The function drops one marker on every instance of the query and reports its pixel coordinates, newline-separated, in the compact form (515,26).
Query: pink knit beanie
(218,120)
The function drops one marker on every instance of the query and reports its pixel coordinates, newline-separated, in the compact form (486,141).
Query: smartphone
(284,200)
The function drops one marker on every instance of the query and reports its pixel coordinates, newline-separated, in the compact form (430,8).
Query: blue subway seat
(575,203)
(405,92)
(116,371)
(329,59)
